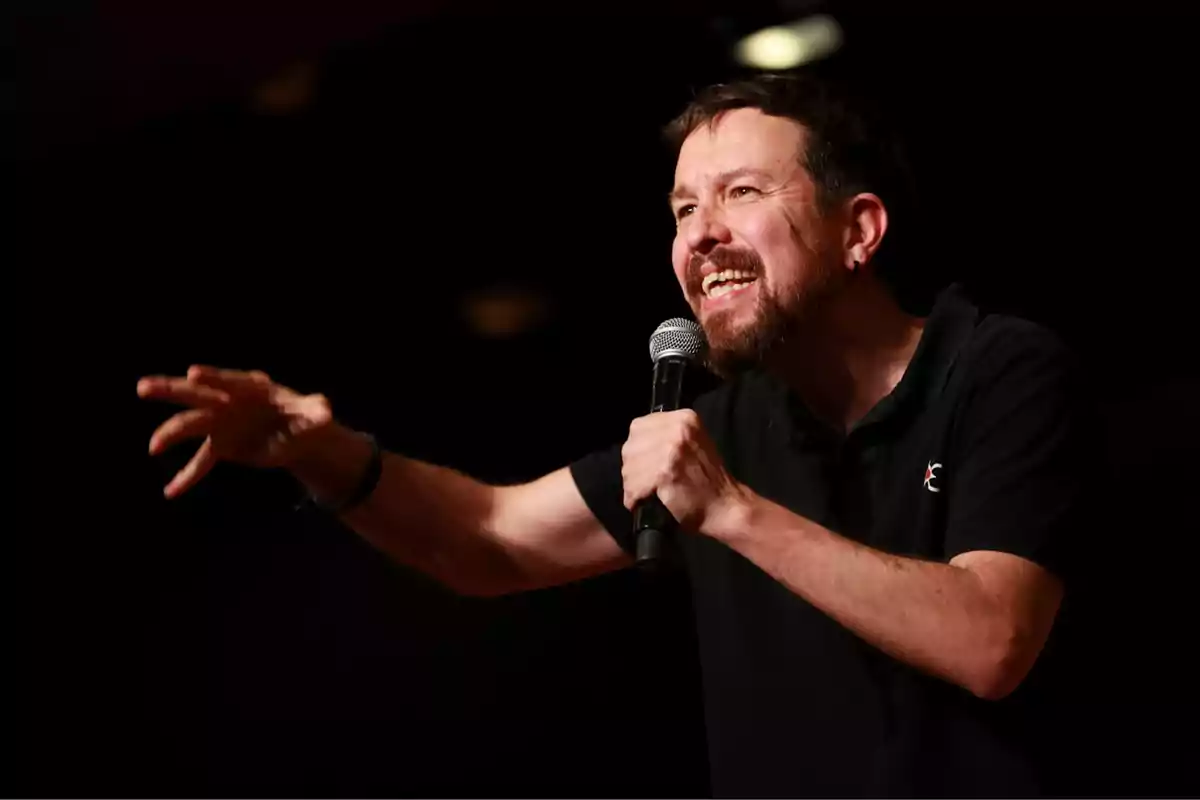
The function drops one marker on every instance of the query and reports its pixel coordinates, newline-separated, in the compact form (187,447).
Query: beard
(777,318)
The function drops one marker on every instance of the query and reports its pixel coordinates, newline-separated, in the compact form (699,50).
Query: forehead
(744,138)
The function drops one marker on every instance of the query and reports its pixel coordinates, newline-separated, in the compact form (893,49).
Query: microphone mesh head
(677,337)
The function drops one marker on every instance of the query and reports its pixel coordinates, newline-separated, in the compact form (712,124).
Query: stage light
(788,46)
(504,312)
(287,91)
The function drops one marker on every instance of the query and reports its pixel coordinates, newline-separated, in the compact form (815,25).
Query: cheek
(679,260)
(762,235)
(784,252)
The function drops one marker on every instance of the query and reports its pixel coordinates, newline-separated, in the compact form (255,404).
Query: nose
(705,230)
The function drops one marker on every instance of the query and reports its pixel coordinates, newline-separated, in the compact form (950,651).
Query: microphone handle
(653,524)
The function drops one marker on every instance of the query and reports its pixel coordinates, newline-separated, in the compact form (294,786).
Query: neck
(851,354)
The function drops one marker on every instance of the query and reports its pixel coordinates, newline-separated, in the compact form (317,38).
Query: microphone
(676,347)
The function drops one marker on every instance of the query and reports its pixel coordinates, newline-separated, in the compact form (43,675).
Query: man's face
(752,252)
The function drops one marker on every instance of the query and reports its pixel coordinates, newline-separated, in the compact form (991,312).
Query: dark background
(170,212)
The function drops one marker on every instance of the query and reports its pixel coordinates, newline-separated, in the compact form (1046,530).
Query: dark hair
(849,147)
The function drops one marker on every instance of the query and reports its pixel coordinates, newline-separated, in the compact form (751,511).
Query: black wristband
(366,484)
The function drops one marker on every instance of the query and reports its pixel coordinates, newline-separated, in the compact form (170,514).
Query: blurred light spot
(287,91)
(788,46)
(505,312)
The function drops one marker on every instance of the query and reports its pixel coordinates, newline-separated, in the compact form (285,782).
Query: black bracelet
(366,485)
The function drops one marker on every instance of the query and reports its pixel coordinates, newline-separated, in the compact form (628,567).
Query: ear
(866,223)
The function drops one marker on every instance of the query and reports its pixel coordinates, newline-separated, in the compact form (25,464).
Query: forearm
(934,616)
(424,516)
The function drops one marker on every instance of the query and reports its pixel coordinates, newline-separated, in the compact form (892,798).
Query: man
(875,507)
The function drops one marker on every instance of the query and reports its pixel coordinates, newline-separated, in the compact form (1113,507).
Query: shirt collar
(947,328)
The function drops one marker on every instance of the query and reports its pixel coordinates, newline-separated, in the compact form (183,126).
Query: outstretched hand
(244,417)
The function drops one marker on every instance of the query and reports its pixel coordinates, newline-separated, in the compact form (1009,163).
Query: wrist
(332,462)
(732,517)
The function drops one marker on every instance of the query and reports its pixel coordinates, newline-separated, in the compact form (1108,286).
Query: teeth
(726,288)
(725,278)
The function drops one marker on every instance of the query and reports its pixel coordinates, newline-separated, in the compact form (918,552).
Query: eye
(684,211)
(742,191)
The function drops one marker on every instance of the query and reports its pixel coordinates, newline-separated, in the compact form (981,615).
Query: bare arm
(979,621)
(475,538)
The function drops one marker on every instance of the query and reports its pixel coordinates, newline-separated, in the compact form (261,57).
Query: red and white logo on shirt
(931,475)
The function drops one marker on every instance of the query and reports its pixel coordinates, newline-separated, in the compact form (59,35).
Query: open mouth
(719,284)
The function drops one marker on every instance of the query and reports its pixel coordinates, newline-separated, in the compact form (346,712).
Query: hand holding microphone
(672,473)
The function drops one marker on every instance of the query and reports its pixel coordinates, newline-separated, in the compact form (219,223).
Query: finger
(687,415)
(633,496)
(653,424)
(645,422)
(182,391)
(200,465)
(184,425)
(230,380)
(650,444)
(635,487)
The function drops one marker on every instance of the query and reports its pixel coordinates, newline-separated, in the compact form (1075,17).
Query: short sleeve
(598,477)
(1024,454)
(598,474)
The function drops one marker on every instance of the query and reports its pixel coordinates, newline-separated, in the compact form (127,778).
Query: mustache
(722,258)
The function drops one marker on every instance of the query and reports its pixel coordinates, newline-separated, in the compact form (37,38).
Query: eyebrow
(722,179)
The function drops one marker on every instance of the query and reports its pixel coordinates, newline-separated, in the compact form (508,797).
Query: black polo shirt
(982,445)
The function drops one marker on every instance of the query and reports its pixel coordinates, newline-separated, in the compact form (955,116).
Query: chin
(733,323)
(730,319)
(743,339)
(731,352)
